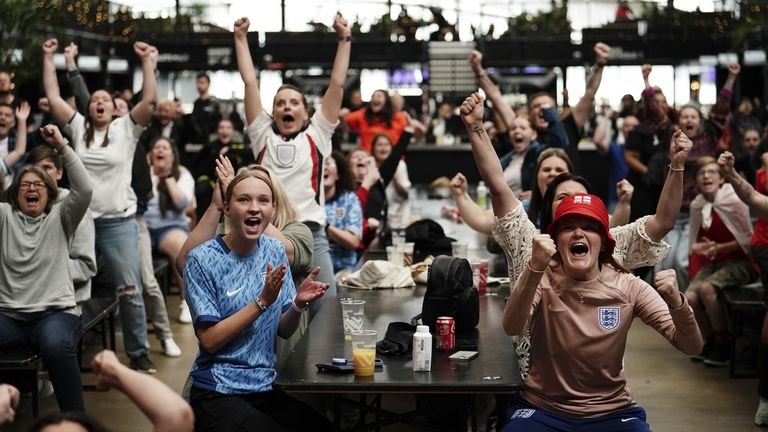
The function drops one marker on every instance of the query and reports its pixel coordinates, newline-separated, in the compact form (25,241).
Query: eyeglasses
(26,185)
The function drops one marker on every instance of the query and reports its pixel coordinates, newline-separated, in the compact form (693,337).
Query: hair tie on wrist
(344,39)
(671,168)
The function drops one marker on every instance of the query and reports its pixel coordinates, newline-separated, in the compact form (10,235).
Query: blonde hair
(167,104)
(285,212)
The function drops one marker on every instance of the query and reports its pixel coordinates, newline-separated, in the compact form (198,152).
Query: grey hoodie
(35,273)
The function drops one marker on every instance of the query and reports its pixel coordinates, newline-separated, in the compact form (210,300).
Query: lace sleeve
(634,248)
(514,233)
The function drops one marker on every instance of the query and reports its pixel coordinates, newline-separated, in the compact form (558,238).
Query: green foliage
(19,39)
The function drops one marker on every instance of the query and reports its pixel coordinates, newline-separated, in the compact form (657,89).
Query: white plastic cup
(460,249)
(352,313)
(395,255)
(364,352)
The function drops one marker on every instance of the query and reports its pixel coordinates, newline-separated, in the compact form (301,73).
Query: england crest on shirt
(608,317)
(285,154)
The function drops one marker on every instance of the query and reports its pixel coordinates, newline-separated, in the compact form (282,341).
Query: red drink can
(482,285)
(446,333)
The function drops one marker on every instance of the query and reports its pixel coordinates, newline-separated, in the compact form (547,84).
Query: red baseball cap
(588,206)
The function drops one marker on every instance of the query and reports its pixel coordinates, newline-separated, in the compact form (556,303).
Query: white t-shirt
(294,163)
(5,170)
(513,173)
(110,167)
(398,208)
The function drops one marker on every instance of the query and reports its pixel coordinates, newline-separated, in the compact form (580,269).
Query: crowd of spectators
(109,179)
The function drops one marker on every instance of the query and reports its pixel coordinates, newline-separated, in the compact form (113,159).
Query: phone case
(463,355)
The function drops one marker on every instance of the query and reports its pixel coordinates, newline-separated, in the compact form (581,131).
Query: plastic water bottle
(482,195)
(422,349)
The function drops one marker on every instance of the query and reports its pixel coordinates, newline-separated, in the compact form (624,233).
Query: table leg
(473,401)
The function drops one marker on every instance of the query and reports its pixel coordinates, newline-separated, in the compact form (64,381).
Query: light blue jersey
(218,284)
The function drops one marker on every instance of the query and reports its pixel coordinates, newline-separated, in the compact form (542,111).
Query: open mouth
(579,250)
(99,110)
(518,140)
(288,121)
(253,222)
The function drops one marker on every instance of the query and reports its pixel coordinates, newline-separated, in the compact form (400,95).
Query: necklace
(581,297)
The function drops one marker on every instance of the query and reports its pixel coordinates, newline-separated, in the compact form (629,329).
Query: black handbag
(450,293)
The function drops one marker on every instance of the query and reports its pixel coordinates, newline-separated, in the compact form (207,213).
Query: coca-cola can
(482,285)
(446,333)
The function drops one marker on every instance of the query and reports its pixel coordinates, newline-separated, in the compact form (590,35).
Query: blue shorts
(524,417)
(157,235)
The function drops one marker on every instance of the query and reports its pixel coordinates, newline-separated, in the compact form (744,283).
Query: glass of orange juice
(364,351)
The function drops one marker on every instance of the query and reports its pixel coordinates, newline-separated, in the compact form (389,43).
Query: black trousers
(267,411)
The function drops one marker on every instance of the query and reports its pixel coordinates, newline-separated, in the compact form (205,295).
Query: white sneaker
(170,348)
(184,316)
(761,416)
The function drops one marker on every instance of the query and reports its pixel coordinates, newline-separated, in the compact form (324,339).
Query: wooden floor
(677,394)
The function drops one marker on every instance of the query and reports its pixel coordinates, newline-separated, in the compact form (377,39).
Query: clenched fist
(542,252)
(666,284)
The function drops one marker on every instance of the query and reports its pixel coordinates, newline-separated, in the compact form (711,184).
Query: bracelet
(344,39)
(326,228)
(298,309)
(260,305)
(73,73)
(532,270)
(671,168)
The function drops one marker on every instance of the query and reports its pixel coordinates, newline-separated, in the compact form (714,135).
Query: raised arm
(475,217)
(671,196)
(75,79)
(756,201)
(142,112)
(600,137)
(60,109)
(620,216)
(163,407)
(389,166)
(209,222)
(22,114)
(335,92)
(720,112)
(76,203)
(517,311)
(491,90)
(488,164)
(582,111)
(252,99)
(646,71)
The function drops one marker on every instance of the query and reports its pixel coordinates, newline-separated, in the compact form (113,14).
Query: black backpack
(450,293)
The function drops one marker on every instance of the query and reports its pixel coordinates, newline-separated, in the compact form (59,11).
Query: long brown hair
(386,113)
(164,197)
(90,131)
(535,206)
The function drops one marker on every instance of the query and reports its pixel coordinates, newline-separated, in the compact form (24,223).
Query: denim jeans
(156,309)
(56,335)
(321,256)
(117,240)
